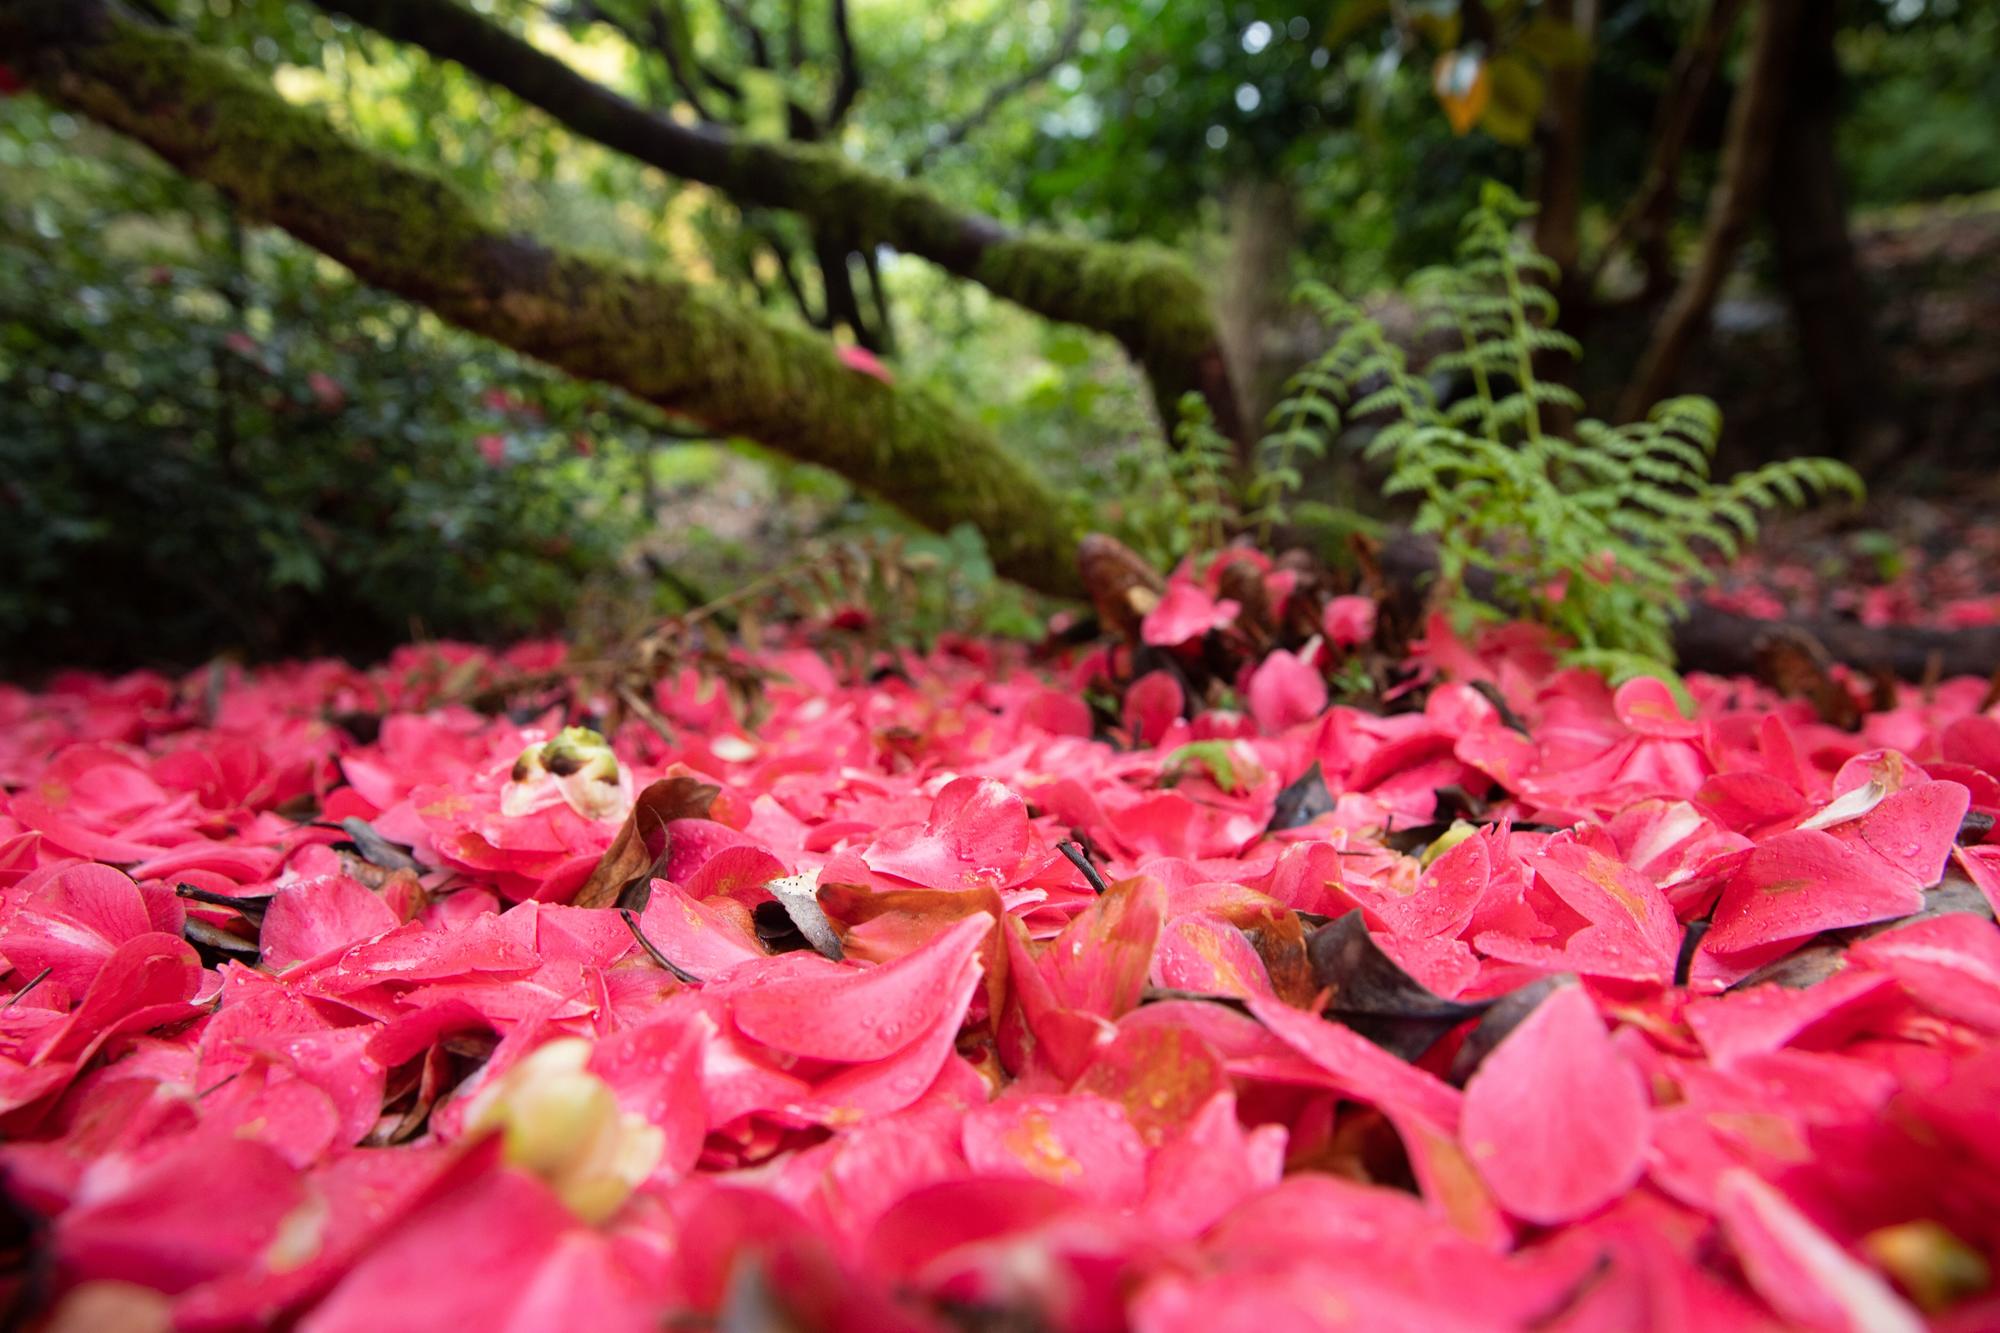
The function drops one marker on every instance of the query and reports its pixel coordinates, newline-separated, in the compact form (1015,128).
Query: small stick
(248,907)
(631,921)
(33,982)
(1082,863)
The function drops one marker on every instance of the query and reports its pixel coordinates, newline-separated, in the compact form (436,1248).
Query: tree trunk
(1845,365)
(1143,295)
(1755,115)
(1256,291)
(1649,214)
(1560,136)
(1559,133)
(662,338)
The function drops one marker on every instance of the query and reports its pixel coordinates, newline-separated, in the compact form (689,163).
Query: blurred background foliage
(212,439)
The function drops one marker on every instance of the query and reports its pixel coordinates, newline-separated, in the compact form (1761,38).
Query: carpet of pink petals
(1013,1099)
(1953,590)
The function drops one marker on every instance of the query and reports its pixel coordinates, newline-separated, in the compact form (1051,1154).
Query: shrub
(213,440)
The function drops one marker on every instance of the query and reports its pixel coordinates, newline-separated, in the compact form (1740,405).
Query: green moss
(1145,296)
(665,339)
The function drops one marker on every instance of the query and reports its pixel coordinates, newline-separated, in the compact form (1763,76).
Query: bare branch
(1000,94)
(1687,87)
(683,39)
(795,34)
(789,275)
(1147,298)
(847,83)
(885,324)
(667,339)
(1754,116)
(667,44)
(752,35)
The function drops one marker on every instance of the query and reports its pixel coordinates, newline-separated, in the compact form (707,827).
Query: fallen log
(1726,643)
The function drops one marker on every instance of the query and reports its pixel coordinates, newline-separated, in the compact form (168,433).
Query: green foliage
(211,440)
(1181,501)
(1190,500)
(1597,533)
(1924,80)
(1214,759)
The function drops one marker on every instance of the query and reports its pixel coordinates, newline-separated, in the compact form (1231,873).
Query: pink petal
(196,1214)
(861,1014)
(1445,898)
(1764,1018)
(1949,964)
(1202,952)
(71,924)
(1555,1118)
(977,834)
(1645,705)
(1283,691)
(1152,704)
(1081,1143)
(1359,1068)
(1100,962)
(318,916)
(1186,612)
(1349,621)
(1914,829)
(703,938)
(1803,882)
(1799,1269)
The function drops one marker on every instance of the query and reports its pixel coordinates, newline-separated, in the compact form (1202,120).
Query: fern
(1597,532)
(1200,471)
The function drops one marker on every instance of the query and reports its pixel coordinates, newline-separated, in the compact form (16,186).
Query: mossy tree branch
(1142,295)
(664,339)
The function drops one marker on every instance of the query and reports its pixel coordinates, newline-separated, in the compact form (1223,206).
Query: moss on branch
(1145,296)
(662,338)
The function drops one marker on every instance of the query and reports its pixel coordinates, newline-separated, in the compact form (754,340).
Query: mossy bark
(1146,297)
(664,339)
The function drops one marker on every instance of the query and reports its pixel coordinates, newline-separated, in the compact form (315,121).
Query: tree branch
(1001,93)
(666,340)
(847,82)
(1687,87)
(1146,297)
(666,41)
(753,36)
(1754,115)
(795,34)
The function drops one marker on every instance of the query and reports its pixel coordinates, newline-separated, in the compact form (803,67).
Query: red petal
(1359,1068)
(976,834)
(1082,1143)
(317,916)
(862,1014)
(1803,882)
(1799,1269)
(1555,1118)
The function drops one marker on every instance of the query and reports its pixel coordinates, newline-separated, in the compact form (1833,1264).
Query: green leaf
(1214,756)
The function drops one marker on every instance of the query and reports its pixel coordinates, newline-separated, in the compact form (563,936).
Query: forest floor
(341,995)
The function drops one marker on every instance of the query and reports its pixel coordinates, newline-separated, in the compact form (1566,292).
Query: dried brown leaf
(642,840)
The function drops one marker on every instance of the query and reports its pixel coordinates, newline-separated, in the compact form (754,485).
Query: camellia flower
(562,1122)
(577,767)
